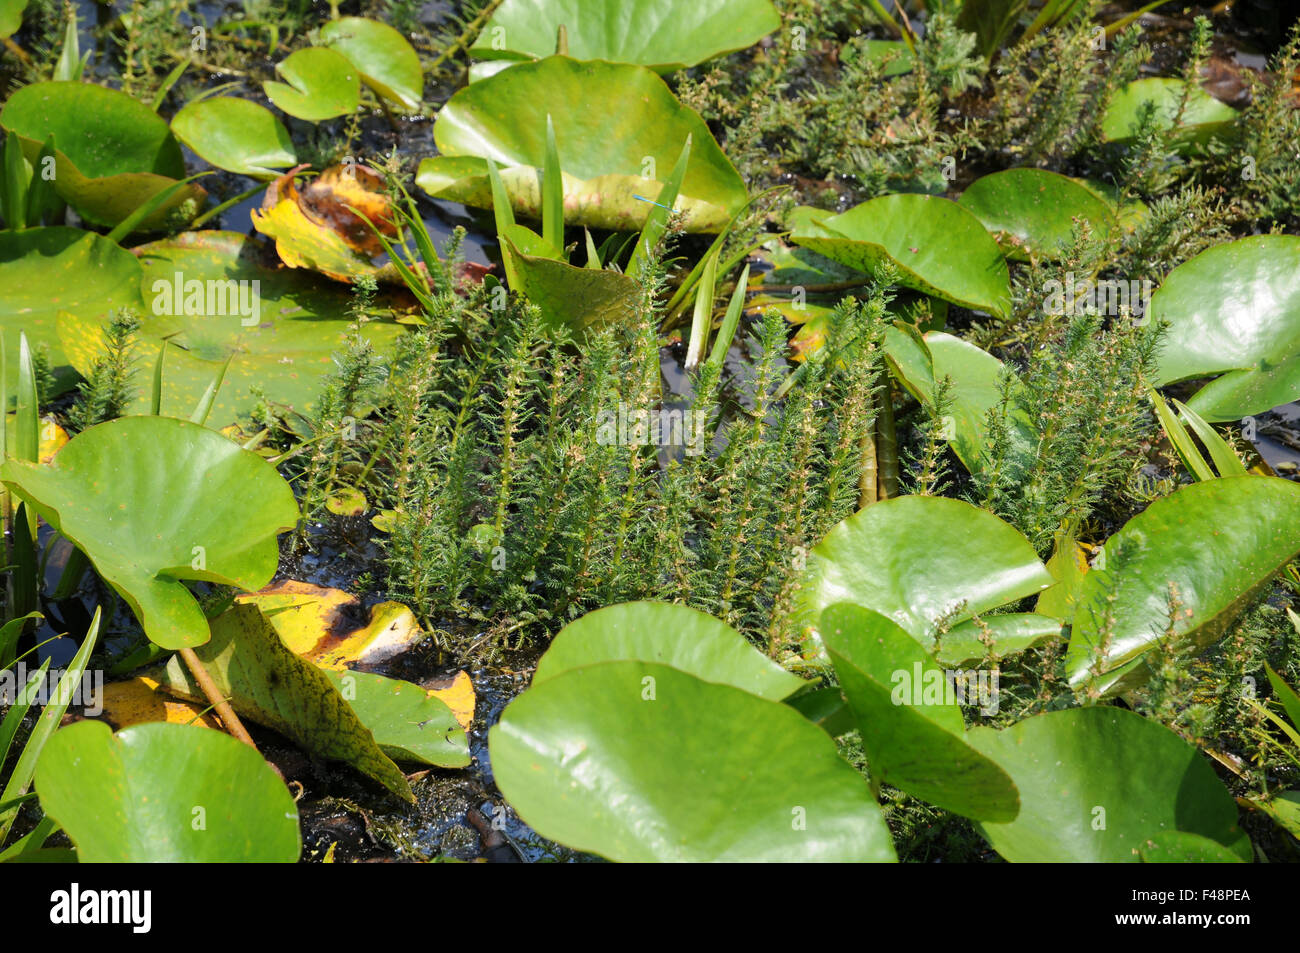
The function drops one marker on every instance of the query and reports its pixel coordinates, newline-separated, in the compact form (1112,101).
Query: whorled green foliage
(1034,212)
(45,271)
(937,246)
(1097,783)
(1234,310)
(237,135)
(926,562)
(282,343)
(112,153)
(138,796)
(1183,569)
(153,501)
(687,639)
(267,683)
(664,35)
(320,83)
(610,152)
(382,56)
(913,735)
(643,762)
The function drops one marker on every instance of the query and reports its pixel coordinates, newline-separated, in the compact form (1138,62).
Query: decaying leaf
(329,199)
(139,700)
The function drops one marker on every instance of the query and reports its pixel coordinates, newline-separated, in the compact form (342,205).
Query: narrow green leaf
(43,203)
(657,221)
(27,420)
(1225,461)
(70,63)
(593,254)
(128,224)
(17,712)
(161,96)
(200,415)
(731,321)
(1285,694)
(13,187)
(1182,440)
(552,191)
(703,315)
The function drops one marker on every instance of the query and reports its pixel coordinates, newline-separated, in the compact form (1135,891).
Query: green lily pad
(162,793)
(675,635)
(11,16)
(1234,310)
(995,635)
(1216,543)
(154,500)
(301,322)
(642,762)
(1181,847)
(1032,211)
(44,271)
(664,35)
(236,135)
(886,558)
(1203,118)
(975,389)
(573,297)
(912,729)
(267,683)
(1097,783)
(626,147)
(938,247)
(407,722)
(386,62)
(320,83)
(112,153)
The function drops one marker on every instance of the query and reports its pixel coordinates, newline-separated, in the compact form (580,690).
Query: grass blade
(1225,461)
(703,315)
(552,191)
(200,415)
(127,225)
(42,201)
(17,712)
(730,322)
(1182,440)
(593,254)
(657,221)
(14,183)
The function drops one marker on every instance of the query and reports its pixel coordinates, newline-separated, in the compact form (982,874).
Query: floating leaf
(608,154)
(409,723)
(237,135)
(642,762)
(1210,546)
(1182,847)
(319,84)
(664,35)
(140,700)
(45,271)
(347,501)
(1034,212)
(1203,118)
(386,62)
(937,246)
(268,684)
(112,153)
(1096,783)
(137,796)
(314,242)
(11,16)
(885,558)
(674,635)
(911,727)
(154,500)
(573,297)
(348,199)
(1234,310)
(284,347)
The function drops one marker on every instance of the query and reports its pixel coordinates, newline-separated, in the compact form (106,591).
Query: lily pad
(408,722)
(11,16)
(1203,118)
(642,762)
(44,271)
(609,154)
(912,730)
(1031,212)
(1234,310)
(885,558)
(112,153)
(1181,847)
(664,35)
(164,793)
(674,635)
(1211,546)
(386,62)
(937,246)
(236,135)
(573,297)
(1096,783)
(297,324)
(975,390)
(152,501)
(268,684)
(320,84)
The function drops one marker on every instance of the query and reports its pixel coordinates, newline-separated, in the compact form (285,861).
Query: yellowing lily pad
(141,699)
